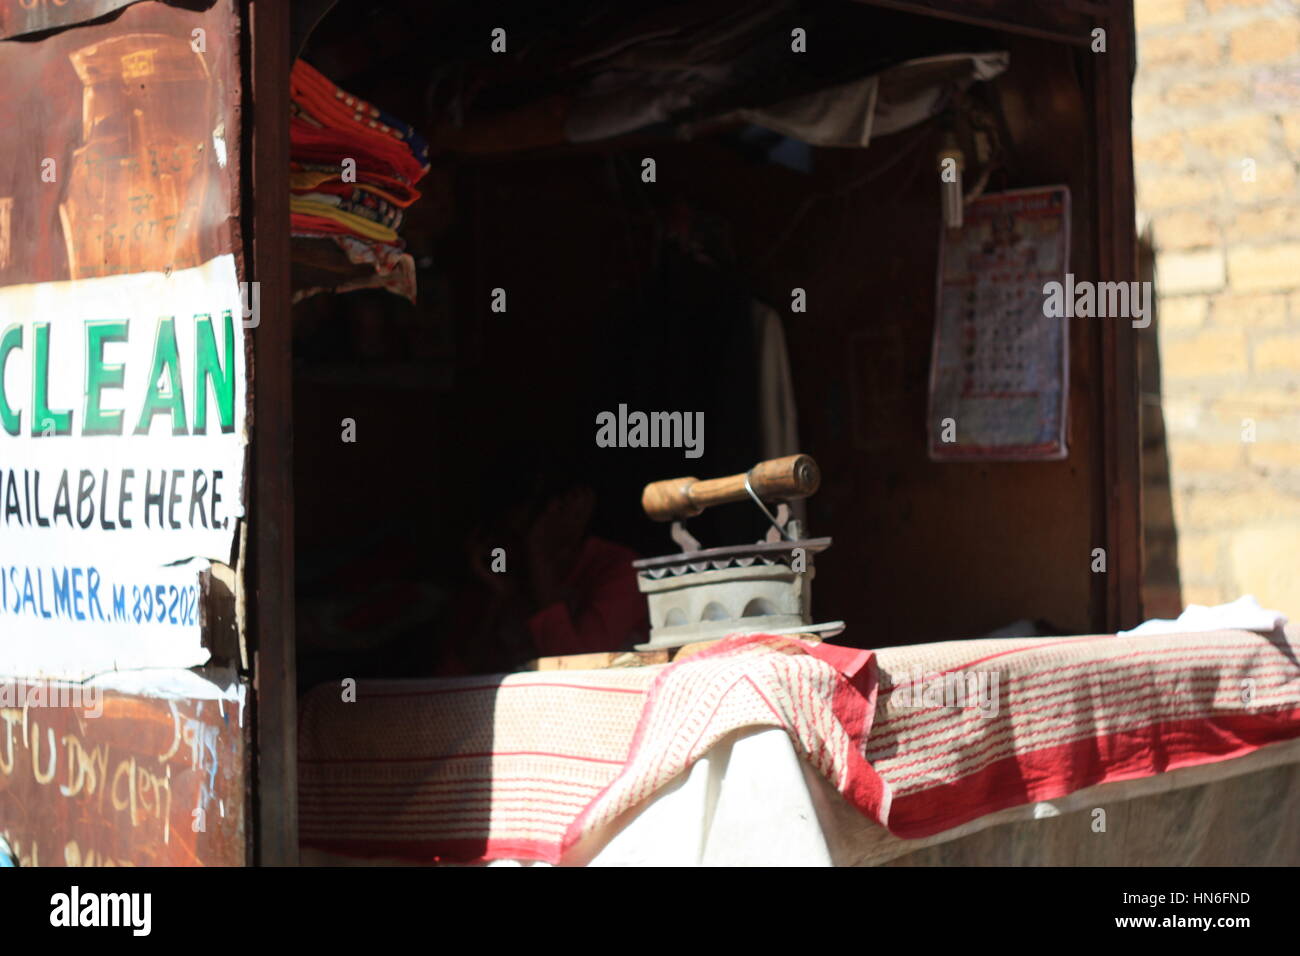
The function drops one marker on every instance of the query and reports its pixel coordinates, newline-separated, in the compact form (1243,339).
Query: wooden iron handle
(781,479)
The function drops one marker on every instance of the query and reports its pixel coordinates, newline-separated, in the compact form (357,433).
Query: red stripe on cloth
(480,755)
(904,720)
(1261,642)
(1057,771)
(965,722)
(501,686)
(362,787)
(462,798)
(499,824)
(1203,710)
(1039,645)
(1104,663)
(555,819)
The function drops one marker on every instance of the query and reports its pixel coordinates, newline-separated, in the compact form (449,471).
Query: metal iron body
(704,594)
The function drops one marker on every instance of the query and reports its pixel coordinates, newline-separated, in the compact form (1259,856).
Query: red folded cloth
(373,153)
(317,96)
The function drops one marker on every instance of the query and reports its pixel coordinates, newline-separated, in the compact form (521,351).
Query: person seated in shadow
(543,585)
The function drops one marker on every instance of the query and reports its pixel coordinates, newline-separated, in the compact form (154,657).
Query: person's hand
(554,541)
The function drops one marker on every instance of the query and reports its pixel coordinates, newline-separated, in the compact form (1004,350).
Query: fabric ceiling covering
(591,71)
(896,99)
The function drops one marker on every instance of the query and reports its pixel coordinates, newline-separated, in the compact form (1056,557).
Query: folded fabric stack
(353,172)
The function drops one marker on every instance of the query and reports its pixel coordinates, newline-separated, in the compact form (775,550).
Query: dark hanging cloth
(688,345)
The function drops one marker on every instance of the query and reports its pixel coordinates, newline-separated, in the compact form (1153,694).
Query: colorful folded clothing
(360,214)
(359,203)
(344,222)
(342,263)
(308,178)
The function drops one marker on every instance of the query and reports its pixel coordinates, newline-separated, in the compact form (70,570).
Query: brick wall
(1216,128)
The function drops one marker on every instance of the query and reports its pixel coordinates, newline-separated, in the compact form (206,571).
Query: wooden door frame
(270,580)
(1118,599)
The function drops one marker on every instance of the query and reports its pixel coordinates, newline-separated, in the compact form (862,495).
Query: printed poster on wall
(1000,366)
(122,325)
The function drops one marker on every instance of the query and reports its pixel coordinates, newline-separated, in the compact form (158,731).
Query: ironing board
(774,750)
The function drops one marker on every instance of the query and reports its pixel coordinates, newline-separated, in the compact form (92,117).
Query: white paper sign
(76,620)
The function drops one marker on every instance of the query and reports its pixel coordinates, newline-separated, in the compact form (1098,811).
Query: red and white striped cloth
(1073,712)
(544,766)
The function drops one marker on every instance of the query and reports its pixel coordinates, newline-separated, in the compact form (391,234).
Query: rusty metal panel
(147,781)
(119,145)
